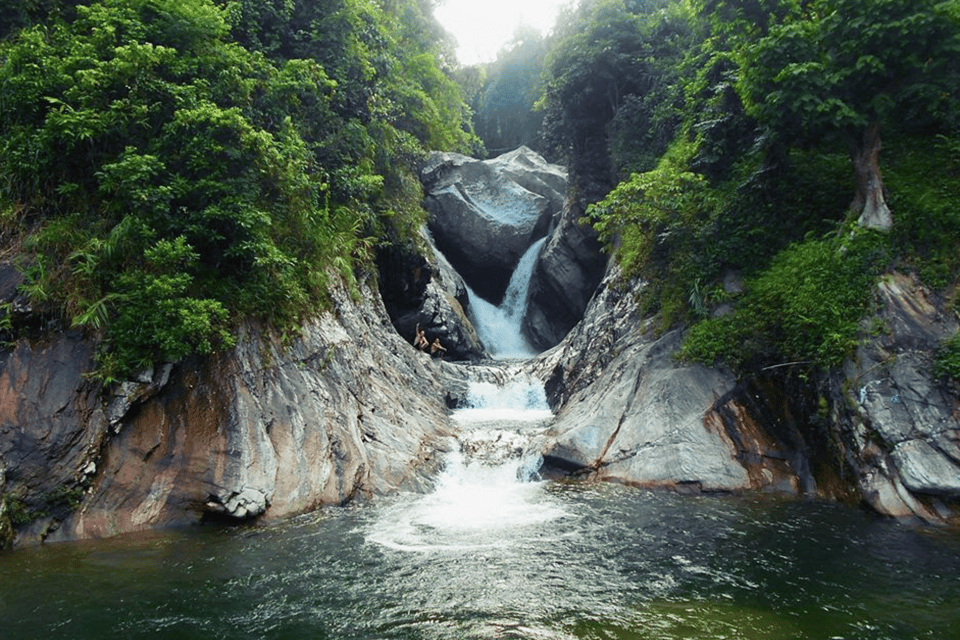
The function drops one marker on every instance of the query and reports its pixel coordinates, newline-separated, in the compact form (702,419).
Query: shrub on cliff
(783,97)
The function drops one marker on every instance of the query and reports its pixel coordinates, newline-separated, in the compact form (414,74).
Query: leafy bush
(948,359)
(805,308)
(157,318)
(924,182)
(681,233)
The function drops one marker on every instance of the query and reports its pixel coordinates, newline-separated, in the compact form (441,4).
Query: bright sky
(482,27)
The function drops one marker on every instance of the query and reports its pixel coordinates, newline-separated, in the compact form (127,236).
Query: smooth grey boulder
(627,412)
(643,422)
(484,214)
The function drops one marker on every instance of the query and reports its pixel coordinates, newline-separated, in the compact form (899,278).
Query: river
(495,552)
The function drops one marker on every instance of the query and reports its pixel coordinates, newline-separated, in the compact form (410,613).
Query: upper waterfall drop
(499,328)
(483,217)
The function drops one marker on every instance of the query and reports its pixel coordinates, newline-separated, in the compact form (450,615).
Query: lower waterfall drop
(489,493)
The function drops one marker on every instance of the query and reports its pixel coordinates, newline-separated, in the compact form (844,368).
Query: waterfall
(499,327)
(489,484)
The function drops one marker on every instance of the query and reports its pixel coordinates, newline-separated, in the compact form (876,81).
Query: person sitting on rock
(420,340)
(436,347)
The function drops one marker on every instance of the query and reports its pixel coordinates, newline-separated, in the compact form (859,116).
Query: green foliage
(775,102)
(805,308)
(505,116)
(157,318)
(612,77)
(20,513)
(923,177)
(680,233)
(656,221)
(948,359)
(169,181)
(838,65)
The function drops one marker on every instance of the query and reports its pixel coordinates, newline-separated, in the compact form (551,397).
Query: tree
(609,54)
(848,68)
(505,116)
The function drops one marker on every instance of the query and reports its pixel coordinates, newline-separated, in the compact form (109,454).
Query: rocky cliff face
(425,293)
(484,214)
(565,277)
(349,409)
(884,430)
(346,410)
(897,425)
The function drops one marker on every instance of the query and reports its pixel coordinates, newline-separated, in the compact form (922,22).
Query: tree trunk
(868,202)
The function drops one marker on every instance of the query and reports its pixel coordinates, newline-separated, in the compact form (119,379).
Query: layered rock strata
(884,430)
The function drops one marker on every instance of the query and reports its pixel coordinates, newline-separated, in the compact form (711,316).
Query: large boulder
(485,214)
(422,291)
(627,412)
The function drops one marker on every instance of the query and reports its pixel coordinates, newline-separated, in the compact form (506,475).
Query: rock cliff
(484,214)
(346,410)
(349,409)
(883,430)
(425,293)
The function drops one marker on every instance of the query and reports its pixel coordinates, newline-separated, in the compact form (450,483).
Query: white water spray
(499,327)
(489,492)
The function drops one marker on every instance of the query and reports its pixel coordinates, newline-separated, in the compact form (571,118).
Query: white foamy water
(489,494)
(499,327)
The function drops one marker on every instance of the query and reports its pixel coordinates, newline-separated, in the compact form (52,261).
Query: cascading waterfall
(499,327)
(489,485)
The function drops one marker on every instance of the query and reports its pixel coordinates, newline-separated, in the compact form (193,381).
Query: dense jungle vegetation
(170,167)
(715,142)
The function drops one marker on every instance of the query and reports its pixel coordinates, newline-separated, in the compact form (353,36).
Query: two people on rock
(420,342)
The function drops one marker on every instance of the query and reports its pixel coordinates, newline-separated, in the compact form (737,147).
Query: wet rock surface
(565,277)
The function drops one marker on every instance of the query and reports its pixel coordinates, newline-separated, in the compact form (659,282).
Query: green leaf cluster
(611,82)
(769,105)
(804,308)
(947,362)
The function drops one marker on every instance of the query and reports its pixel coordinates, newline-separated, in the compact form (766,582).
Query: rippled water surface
(488,555)
(584,562)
